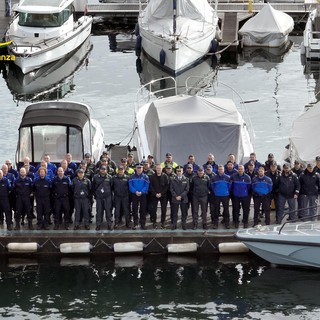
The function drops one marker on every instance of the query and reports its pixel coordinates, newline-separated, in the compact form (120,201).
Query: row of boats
(175,35)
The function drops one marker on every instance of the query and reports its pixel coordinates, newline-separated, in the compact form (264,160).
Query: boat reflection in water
(198,77)
(52,81)
(312,73)
(269,56)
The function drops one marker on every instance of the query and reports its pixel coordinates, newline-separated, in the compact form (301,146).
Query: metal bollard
(8,8)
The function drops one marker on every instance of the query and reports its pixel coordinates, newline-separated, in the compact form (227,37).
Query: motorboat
(302,143)
(268,28)
(310,46)
(184,124)
(290,244)
(198,76)
(56,128)
(176,34)
(52,80)
(45,31)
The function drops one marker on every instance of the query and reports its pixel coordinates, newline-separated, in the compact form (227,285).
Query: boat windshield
(54,140)
(44,19)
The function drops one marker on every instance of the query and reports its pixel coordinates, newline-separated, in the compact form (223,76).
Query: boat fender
(124,247)
(75,247)
(138,46)
(26,247)
(232,247)
(137,29)
(182,247)
(162,57)
(139,65)
(214,46)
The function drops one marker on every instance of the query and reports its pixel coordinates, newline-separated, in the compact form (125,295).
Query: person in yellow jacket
(169,161)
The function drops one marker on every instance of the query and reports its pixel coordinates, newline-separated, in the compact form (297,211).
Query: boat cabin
(55,128)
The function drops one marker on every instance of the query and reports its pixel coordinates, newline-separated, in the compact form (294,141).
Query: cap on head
(139,165)
(168,166)
(80,171)
(209,166)
(190,166)
(150,156)
(87,155)
(200,169)
(318,158)
(309,165)
(168,154)
(270,155)
(273,163)
(120,167)
(286,166)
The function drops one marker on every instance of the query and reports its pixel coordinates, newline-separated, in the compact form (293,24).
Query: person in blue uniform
(240,188)
(23,191)
(81,187)
(61,191)
(42,193)
(5,189)
(261,190)
(139,186)
(101,189)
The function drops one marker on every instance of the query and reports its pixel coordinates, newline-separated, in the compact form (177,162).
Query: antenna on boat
(174,2)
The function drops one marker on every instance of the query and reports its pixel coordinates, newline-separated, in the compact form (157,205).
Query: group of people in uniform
(131,191)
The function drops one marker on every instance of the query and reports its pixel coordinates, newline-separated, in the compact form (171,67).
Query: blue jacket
(221,185)
(5,187)
(241,185)
(261,186)
(139,183)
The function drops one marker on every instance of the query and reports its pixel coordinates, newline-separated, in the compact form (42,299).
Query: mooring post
(8,7)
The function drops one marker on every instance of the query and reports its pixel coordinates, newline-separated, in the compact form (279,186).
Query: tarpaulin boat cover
(267,25)
(303,140)
(196,125)
(159,15)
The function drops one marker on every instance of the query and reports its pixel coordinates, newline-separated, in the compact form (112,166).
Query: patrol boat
(45,31)
(56,128)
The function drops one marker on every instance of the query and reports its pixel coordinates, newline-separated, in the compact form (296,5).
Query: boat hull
(247,41)
(29,58)
(311,37)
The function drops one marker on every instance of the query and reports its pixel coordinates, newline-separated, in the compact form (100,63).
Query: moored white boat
(56,128)
(295,244)
(269,28)
(184,124)
(45,32)
(176,34)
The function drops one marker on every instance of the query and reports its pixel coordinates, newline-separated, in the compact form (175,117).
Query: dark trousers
(154,204)
(139,204)
(62,206)
(43,210)
(174,212)
(203,203)
(23,208)
(81,206)
(225,203)
(245,203)
(211,204)
(6,210)
(263,201)
(121,208)
(104,205)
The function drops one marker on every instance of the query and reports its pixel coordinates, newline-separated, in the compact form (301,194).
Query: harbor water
(162,287)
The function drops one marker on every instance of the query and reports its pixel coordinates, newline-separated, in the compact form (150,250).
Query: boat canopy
(267,25)
(303,139)
(54,128)
(186,125)
(41,6)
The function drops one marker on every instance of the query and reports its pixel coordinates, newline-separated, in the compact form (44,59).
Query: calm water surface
(161,287)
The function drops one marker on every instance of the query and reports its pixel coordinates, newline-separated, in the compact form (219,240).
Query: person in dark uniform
(179,187)
(81,187)
(171,175)
(159,185)
(5,189)
(200,185)
(209,172)
(152,165)
(42,191)
(120,187)
(23,192)
(101,189)
(12,198)
(139,186)
(274,174)
(189,174)
(61,190)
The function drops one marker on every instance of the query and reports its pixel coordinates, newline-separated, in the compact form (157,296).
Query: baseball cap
(87,155)
(318,158)
(309,165)
(286,165)
(168,154)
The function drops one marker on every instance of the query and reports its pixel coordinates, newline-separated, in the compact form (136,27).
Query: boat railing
(155,90)
(300,219)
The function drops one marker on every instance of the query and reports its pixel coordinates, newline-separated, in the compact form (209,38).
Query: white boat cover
(267,25)
(159,14)
(186,125)
(304,139)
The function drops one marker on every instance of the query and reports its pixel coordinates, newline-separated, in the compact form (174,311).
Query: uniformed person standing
(23,191)
(61,189)
(42,192)
(101,189)
(5,189)
(82,193)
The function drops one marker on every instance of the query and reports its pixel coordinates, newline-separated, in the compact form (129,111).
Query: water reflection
(312,73)
(52,81)
(154,286)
